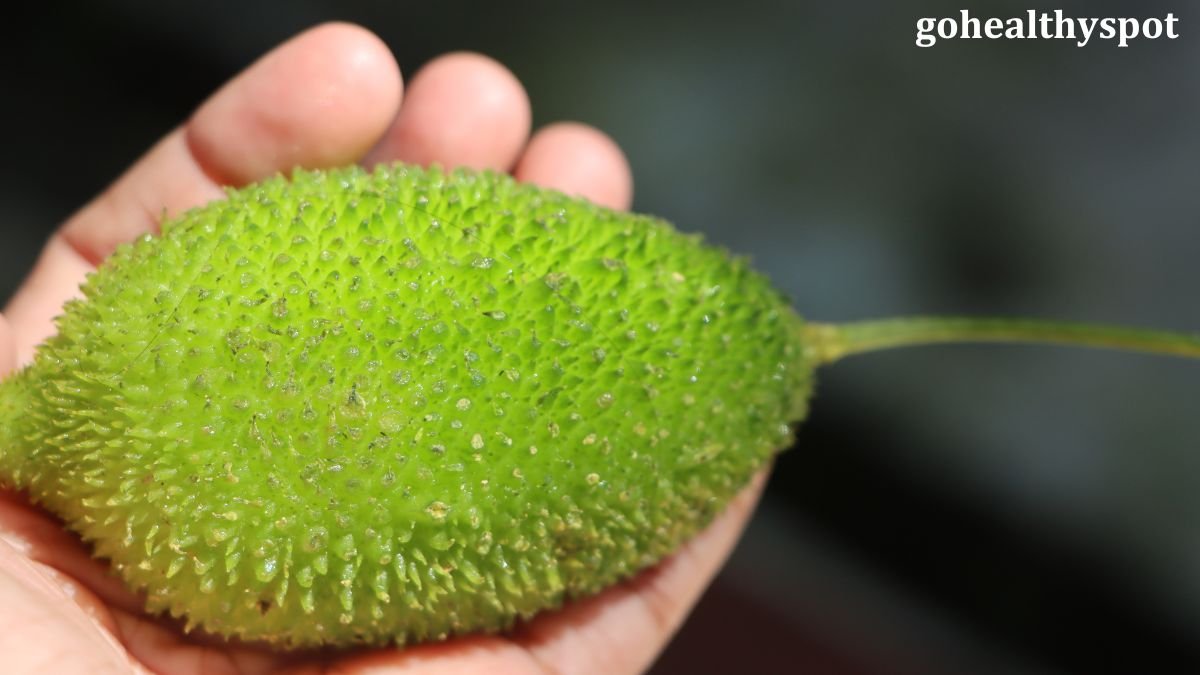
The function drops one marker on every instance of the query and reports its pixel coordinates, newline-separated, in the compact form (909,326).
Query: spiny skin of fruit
(367,408)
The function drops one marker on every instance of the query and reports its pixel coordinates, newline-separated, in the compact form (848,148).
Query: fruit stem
(831,342)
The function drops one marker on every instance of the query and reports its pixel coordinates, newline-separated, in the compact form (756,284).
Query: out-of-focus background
(954,509)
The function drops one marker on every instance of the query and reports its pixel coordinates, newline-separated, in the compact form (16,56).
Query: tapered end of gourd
(14,406)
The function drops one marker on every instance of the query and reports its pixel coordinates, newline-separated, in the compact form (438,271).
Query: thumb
(45,630)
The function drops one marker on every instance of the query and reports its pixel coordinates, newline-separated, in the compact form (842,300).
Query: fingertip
(580,160)
(461,109)
(322,98)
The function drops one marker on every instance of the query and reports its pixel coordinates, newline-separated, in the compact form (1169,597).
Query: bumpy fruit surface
(394,406)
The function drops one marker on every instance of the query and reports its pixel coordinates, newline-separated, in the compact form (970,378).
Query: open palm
(328,97)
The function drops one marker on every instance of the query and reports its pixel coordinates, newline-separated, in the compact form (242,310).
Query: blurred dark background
(959,509)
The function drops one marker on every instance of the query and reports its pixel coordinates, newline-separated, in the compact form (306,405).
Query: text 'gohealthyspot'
(1037,25)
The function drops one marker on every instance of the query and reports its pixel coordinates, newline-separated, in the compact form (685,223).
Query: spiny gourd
(394,406)
(370,408)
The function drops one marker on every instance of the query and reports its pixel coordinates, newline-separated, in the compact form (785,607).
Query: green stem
(831,342)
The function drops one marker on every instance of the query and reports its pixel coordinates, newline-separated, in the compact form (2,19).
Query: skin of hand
(327,97)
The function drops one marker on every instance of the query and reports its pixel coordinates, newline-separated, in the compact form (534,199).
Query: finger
(460,656)
(461,109)
(8,353)
(578,160)
(44,630)
(642,616)
(43,540)
(55,279)
(321,99)
(159,646)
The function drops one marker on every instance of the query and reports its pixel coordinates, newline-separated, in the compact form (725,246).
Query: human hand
(328,97)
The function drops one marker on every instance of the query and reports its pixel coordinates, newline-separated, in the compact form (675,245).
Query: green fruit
(395,406)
